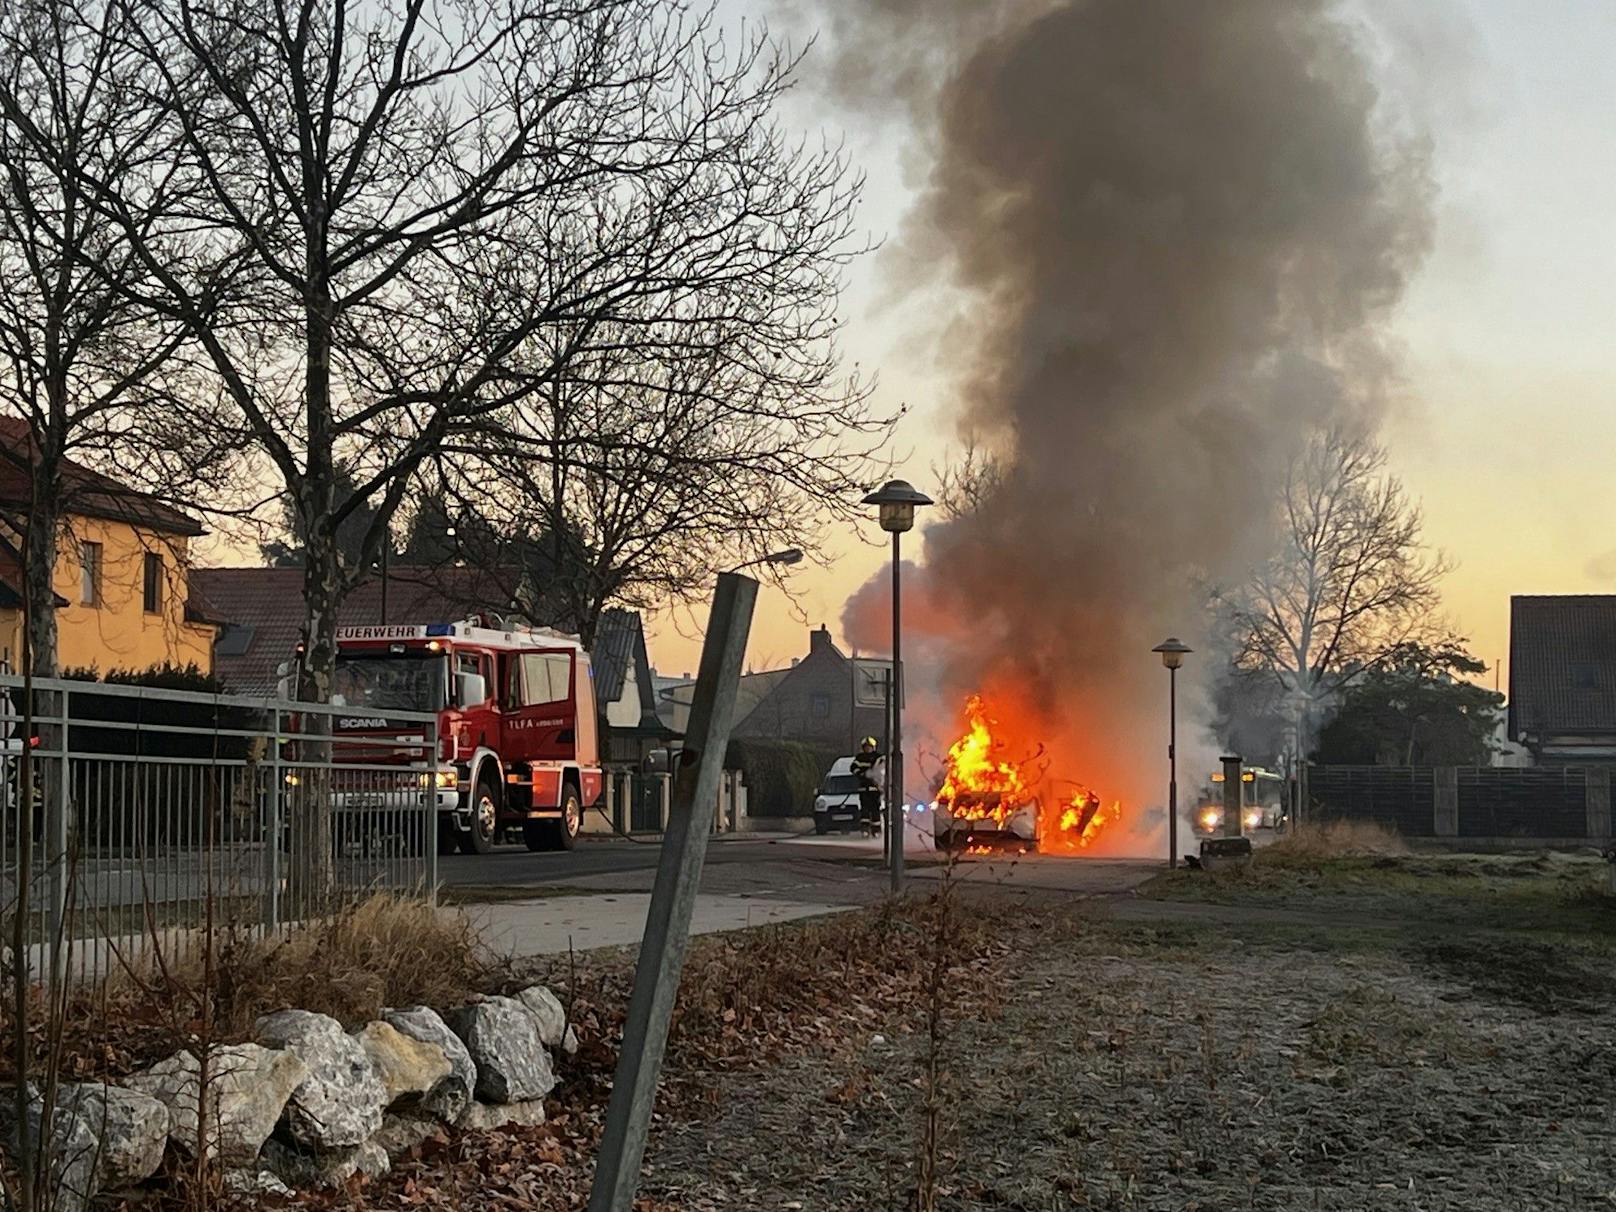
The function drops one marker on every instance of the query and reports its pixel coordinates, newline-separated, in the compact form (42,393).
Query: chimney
(819,640)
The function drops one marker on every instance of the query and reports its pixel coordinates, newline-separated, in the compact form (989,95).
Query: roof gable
(86,492)
(1562,664)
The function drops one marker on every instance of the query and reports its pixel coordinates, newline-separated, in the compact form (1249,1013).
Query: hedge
(781,776)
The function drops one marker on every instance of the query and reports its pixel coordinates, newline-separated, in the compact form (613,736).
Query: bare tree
(1351,584)
(379,180)
(652,462)
(395,201)
(965,483)
(87,373)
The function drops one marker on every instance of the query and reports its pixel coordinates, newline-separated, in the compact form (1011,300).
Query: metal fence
(156,813)
(1545,803)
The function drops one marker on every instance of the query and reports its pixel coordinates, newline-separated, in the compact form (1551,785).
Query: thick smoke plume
(1175,233)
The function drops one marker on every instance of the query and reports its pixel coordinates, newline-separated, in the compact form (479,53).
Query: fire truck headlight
(1253,818)
(1209,818)
(448,779)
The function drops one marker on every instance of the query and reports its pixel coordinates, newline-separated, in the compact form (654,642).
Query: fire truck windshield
(381,681)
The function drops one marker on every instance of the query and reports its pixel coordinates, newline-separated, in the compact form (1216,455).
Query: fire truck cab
(517,726)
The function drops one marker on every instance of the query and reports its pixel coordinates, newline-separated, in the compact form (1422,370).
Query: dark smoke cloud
(1179,230)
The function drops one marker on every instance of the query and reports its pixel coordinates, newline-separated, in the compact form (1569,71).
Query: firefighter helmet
(867,743)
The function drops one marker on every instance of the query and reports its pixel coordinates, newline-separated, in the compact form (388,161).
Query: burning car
(991,799)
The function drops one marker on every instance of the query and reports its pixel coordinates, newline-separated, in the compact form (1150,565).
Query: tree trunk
(39,592)
(312,867)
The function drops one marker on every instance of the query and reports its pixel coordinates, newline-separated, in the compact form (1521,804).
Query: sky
(1506,426)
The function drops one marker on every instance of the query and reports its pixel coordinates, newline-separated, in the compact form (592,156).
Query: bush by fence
(781,776)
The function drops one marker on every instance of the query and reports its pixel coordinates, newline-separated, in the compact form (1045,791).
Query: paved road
(788,865)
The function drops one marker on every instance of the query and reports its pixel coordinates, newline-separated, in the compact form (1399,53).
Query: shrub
(781,776)
(1310,844)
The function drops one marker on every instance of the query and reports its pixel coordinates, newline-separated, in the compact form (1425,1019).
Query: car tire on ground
(821,826)
(480,838)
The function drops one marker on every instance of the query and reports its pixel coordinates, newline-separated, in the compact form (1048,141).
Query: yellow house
(121,578)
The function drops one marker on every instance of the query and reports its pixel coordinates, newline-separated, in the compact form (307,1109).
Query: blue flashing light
(440,629)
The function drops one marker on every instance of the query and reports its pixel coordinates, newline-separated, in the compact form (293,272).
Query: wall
(117,633)
(624,711)
(813,703)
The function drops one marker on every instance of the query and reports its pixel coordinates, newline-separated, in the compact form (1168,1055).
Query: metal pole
(895,807)
(1172,768)
(387,542)
(1233,809)
(673,899)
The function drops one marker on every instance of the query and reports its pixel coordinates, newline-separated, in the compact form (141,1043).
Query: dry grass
(386,950)
(1309,845)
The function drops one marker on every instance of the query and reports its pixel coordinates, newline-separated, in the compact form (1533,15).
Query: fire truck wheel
(479,839)
(557,835)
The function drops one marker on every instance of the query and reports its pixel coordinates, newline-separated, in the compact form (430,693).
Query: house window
(152,593)
(1582,676)
(821,703)
(90,590)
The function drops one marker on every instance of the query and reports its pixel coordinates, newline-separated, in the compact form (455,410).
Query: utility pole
(673,898)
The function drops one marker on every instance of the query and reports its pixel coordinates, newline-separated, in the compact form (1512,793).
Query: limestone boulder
(409,1068)
(502,1037)
(447,1100)
(339,1104)
(248,1088)
(130,1126)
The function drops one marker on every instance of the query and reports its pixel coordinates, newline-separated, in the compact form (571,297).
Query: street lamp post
(896,501)
(791,555)
(1172,651)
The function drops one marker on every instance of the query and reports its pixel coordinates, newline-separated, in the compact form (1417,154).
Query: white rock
(132,1128)
(72,1179)
(503,1039)
(547,1012)
(254,1182)
(248,1087)
(339,1104)
(447,1100)
(401,1133)
(485,1117)
(312,1169)
(409,1068)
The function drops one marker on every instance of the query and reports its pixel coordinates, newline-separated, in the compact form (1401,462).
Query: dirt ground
(1200,1064)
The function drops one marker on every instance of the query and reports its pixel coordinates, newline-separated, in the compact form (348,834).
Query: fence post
(56,832)
(1596,803)
(429,827)
(272,827)
(673,900)
(1445,801)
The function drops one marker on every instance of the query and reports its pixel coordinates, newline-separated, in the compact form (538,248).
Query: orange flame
(983,782)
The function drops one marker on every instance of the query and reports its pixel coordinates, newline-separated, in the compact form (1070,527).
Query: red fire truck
(517,728)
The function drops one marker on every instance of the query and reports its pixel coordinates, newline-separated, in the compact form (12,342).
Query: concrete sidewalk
(552,925)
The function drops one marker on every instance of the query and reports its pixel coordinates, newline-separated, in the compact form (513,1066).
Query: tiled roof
(87,493)
(613,654)
(1562,664)
(261,610)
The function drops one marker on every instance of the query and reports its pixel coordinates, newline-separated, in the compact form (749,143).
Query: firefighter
(865,762)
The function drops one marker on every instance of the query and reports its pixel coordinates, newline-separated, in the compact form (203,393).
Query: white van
(836,805)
